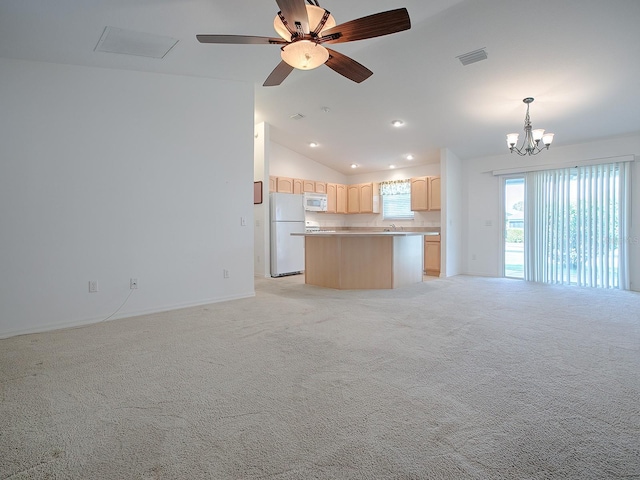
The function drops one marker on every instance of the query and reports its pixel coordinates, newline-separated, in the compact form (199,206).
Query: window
(396,200)
(397,207)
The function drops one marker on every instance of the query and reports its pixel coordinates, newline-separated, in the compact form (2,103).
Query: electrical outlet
(225,273)
(93,286)
(133,283)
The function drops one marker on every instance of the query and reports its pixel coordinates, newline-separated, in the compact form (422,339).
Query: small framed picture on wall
(257,193)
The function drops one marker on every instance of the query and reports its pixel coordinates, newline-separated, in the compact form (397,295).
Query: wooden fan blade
(240,39)
(374,25)
(347,67)
(294,11)
(279,73)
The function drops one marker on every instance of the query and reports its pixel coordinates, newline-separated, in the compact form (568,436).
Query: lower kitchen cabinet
(432,255)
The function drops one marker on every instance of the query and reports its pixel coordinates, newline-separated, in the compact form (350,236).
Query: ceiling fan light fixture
(304,54)
(314,13)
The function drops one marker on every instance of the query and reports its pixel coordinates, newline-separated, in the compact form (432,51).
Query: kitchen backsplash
(423,221)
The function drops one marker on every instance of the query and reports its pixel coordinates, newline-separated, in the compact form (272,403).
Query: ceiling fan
(305,28)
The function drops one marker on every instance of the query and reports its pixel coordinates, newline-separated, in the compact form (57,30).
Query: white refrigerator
(287,217)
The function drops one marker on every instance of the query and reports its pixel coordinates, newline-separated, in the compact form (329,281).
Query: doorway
(514,227)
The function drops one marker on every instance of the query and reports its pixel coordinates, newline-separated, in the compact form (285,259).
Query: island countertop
(397,233)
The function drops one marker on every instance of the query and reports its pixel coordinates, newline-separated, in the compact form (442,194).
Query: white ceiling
(580,59)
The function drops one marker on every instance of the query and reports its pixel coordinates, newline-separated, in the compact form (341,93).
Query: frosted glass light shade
(547,138)
(512,139)
(537,133)
(315,15)
(304,54)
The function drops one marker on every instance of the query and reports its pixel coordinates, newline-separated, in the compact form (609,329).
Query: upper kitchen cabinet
(298,186)
(361,198)
(425,193)
(283,184)
(320,187)
(341,198)
(435,202)
(308,186)
(272,184)
(353,198)
(336,198)
(332,198)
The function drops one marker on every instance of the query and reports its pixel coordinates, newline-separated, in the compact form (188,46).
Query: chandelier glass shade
(304,52)
(532,138)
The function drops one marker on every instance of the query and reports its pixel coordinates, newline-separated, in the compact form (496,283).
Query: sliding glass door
(575,225)
(513,208)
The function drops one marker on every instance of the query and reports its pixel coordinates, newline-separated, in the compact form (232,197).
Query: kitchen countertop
(397,233)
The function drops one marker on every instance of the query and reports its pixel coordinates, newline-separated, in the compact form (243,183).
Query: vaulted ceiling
(579,59)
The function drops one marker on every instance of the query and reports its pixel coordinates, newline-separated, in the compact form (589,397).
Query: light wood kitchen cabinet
(366,198)
(353,198)
(432,255)
(341,198)
(284,185)
(321,187)
(361,198)
(434,193)
(308,186)
(297,186)
(425,193)
(272,184)
(332,198)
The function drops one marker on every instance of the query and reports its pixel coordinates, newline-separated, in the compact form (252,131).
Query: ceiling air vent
(473,57)
(129,42)
(297,116)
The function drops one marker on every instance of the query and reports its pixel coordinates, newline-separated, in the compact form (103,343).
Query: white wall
(284,162)
(452,218)
(483,233)
(107,175)
(262,152)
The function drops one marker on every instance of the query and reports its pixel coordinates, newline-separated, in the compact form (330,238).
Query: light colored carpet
(461,378)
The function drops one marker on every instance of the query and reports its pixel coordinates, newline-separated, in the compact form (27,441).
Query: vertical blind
(576,226)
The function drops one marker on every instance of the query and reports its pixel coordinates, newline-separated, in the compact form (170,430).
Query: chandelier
(531,144)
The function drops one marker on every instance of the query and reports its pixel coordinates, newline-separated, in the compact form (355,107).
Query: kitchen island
(363,260)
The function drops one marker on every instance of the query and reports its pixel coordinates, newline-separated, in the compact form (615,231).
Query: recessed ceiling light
(313,144)
(353,165)
(397,123)
(392,166)
(409,157)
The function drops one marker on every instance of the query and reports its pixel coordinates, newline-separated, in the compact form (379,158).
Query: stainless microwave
(315,202)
